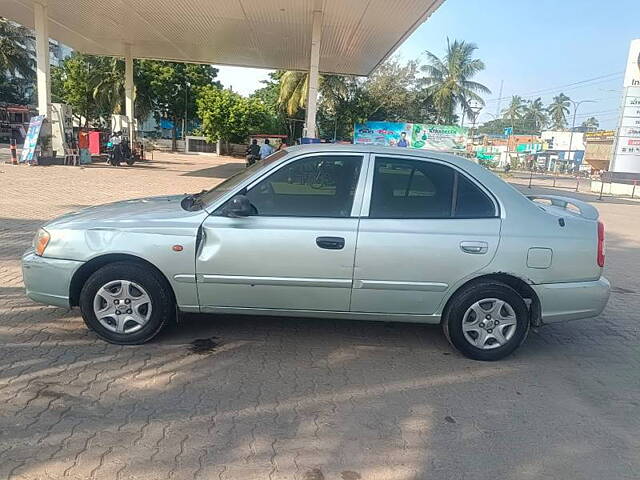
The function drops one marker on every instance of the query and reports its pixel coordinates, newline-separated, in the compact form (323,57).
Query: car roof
(377,149)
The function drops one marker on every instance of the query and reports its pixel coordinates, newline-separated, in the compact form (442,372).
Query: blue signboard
(31,140)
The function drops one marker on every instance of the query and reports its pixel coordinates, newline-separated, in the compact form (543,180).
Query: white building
(559,141)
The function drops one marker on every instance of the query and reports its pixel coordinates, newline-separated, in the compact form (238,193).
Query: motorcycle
(119,150)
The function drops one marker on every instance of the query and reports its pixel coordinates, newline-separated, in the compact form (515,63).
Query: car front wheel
(486,321)
(126,303)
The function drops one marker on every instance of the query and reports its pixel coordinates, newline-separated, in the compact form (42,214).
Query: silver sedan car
(352,232)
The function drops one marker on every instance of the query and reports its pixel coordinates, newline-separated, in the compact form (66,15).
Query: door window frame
(368,190)
(358,195)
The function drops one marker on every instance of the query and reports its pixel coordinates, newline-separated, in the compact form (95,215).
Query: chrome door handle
(477,248)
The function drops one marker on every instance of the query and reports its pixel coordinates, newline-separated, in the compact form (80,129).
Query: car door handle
(477,248)
(330,243)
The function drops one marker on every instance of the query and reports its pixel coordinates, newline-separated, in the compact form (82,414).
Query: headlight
(41,241)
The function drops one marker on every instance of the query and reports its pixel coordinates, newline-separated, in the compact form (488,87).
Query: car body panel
(248,265)
(266,262)
(47,279)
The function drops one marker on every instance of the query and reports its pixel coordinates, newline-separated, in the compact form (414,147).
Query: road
(262,398)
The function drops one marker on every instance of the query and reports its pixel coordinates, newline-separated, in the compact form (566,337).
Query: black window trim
(457,171)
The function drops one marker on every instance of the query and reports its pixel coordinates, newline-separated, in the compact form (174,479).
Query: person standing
(265,149)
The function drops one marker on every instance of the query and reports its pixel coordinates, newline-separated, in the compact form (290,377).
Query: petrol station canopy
(356,34)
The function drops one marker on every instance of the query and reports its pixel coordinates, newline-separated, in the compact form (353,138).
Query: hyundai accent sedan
(349,232)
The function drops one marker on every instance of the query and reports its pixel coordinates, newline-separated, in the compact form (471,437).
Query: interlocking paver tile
(297,398)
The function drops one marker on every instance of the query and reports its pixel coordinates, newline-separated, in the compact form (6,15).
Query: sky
(536,47)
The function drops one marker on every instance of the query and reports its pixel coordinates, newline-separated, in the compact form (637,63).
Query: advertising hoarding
(627,149)
(411,135)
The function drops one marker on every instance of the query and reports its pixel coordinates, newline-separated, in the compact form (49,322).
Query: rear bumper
(47,280)
(571,301)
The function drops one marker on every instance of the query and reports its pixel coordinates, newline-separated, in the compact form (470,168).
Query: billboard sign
(632,73)
(389,134)
(626,157)
(411,135)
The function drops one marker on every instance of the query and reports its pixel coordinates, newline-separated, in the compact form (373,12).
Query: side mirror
(238,206)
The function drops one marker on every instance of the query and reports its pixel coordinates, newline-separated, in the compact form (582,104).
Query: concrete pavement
(264,398)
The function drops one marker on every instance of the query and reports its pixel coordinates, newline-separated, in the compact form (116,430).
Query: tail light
(600,244)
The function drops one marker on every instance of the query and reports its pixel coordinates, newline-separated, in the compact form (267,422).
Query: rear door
(297,251)
(425,225)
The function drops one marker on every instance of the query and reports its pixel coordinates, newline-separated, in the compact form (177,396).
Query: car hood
(141,213)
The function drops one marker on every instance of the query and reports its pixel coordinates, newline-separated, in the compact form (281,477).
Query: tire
(131,161)
(480,327)
(126,303)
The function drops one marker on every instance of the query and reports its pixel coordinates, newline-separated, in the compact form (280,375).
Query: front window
(315,186)
(230,183)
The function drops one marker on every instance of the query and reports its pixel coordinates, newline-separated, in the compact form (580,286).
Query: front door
(297,251)
(428,226)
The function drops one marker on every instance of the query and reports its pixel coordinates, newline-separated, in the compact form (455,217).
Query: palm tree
(516,109)
(448,79)
(536,114)
(294,89)
(591,124)
(558,110)
(16,50)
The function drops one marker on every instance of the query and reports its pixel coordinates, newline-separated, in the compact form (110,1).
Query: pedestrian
(265,149)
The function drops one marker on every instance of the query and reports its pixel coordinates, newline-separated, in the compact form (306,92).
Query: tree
(16,50)
(75,82)
(174,87)
(94,87)
(448,81)
(228,116)
(558,111)
(294,89)
(497,127)
(516,109)
(536,115)
(591,124)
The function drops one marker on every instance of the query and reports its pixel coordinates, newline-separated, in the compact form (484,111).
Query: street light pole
(573,123)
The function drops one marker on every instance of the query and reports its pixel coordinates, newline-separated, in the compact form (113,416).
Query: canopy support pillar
(310,129)
(129,93)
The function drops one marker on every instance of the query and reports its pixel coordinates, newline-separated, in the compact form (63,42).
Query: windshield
(234,180)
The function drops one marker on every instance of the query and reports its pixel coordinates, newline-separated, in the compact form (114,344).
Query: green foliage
(228,116)
(516,109)
(16,50)
(591,124)
(522,126)
(448,80)
(558,111)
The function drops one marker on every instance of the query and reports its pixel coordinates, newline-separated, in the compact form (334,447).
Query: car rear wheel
(126,303)
(486,321)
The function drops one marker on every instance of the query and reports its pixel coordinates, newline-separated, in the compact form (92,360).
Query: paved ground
(302,399)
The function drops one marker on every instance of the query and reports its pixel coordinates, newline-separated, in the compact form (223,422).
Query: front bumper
(48,279)
(571,301)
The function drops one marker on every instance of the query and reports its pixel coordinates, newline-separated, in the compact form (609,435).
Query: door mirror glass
(238,206)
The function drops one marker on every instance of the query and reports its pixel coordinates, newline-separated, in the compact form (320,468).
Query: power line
(545,91)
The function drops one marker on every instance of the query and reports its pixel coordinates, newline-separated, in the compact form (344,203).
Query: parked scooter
(119,150)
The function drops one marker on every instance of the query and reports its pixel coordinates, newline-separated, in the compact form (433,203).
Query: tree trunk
(174,133)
